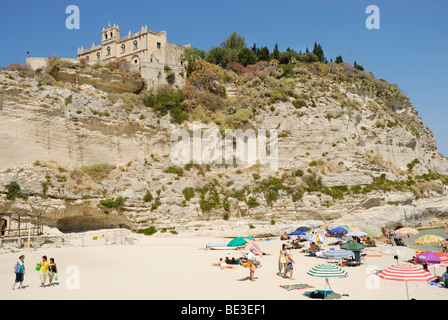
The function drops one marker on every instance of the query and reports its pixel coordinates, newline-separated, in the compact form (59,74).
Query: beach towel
(296,286)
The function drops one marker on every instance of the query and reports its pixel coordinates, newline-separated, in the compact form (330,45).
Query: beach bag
(17,269)
(56,277)
(317,295)
(253,267)
(38,267)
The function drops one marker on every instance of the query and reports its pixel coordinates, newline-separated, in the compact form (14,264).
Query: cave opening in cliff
(90,223)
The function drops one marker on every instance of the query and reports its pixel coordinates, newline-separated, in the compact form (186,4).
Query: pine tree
(319,52)
(276,52)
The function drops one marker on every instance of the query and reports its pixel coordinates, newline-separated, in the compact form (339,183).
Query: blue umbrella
(297,233)
(338,230)
(303,229)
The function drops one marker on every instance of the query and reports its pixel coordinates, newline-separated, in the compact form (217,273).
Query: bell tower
(110,33)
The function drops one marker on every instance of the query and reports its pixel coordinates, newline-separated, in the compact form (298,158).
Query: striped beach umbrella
(406,272)
(373,231)
(327,271)
(354,229)
(428,239)
(406,231)
(255,246)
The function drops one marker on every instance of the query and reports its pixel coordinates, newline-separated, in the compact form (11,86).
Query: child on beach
(252,263)
(19,270)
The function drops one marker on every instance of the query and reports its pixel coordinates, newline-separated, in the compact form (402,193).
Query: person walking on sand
(44,264)
(289,265)
(282,259)
(19,270)
(252,263)
(52,270)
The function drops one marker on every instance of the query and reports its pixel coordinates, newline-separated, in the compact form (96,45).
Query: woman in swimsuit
(282,259)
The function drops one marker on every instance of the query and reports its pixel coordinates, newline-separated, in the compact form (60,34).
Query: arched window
(111,34)
(108,51)
(87,58)
(135,44)
(105,36)
(123,48)
(98,56)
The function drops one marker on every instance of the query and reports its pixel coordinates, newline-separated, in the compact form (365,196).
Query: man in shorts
(289,264)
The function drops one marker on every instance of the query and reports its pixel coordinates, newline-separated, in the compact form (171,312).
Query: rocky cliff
(88,154)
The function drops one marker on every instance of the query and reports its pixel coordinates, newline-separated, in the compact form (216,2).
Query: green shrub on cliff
(14,192)
(113,203)
(98,171)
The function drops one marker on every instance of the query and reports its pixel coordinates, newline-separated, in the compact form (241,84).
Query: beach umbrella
(428,239)
(397,251)
(338,230)
(356,234)
(433,257)
(352,246)
(313,223)
(255,246)
(406,231)
(406,272)
(346,227)
(327,271)
(373,231)
(297,233)
(315,238)
(303,229)
(239,241)
(338,254)
(354,229)
(331,226)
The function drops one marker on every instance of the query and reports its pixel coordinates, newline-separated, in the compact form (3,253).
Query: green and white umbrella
(327,271)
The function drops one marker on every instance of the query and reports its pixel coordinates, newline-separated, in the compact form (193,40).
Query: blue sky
(410,48)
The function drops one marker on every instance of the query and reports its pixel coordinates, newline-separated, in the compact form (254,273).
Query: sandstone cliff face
(48,132)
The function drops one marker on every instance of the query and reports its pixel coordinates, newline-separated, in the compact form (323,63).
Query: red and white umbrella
(255,246)
(406,272)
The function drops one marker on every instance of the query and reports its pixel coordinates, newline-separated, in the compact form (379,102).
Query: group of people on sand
(45,268)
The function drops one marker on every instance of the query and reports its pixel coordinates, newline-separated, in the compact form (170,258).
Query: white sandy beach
(178,267)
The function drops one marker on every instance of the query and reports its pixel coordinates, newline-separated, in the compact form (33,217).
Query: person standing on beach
(19,270)
(282,259)
(44,264)
(52,270)
(289,265)
(252,263)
